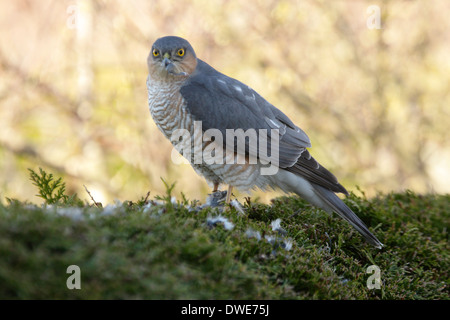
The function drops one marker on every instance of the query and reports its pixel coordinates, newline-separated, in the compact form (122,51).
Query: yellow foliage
(375,102)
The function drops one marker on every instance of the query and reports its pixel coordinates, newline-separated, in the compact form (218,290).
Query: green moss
(161,249)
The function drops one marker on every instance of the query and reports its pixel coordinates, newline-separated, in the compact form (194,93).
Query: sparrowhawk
(184,90)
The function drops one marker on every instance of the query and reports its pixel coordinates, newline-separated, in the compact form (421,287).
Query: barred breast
(168,109)
(166,106)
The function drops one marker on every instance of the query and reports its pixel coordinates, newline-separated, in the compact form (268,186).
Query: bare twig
(97,204)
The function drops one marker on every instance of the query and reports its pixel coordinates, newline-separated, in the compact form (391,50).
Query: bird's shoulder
(208,81)
(210,94)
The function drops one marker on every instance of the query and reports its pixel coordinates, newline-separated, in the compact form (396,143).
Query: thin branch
(97,204)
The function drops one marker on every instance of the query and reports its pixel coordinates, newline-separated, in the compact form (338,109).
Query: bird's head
(171,56)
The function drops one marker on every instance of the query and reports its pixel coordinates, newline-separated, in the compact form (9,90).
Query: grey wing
(306,166)
(221,102)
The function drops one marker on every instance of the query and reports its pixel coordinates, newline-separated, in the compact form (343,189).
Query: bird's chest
(167,107)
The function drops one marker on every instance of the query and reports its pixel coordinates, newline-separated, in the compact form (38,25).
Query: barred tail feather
(337,205)
(322,198)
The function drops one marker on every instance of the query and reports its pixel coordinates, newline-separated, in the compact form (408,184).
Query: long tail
(334,203)
(322,198)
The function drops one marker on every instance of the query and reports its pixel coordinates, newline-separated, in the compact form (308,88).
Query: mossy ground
(162,249)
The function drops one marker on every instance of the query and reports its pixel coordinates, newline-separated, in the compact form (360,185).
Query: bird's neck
(166,105)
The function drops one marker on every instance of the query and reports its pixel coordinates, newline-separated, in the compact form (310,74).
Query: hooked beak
(168,65)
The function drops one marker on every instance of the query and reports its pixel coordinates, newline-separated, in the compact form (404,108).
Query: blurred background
(370,87)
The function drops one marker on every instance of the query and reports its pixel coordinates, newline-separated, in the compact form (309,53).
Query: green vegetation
(166,249)
(52,191)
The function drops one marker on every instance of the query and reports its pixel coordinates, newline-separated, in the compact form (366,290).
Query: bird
(185,94)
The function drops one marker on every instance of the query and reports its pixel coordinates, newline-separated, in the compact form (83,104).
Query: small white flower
(112,208)
(73,213)
(235,204)
(276,224)
(287,245)
(212,221)
(250,233)
(147,207)
(270,239)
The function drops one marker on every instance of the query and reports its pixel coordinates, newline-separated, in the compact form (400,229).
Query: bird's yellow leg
(230,188)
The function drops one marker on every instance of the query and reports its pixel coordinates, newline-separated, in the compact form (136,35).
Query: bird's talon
(216,199)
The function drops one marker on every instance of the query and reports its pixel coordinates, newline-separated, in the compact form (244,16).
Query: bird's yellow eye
(155,52)
(180,52)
